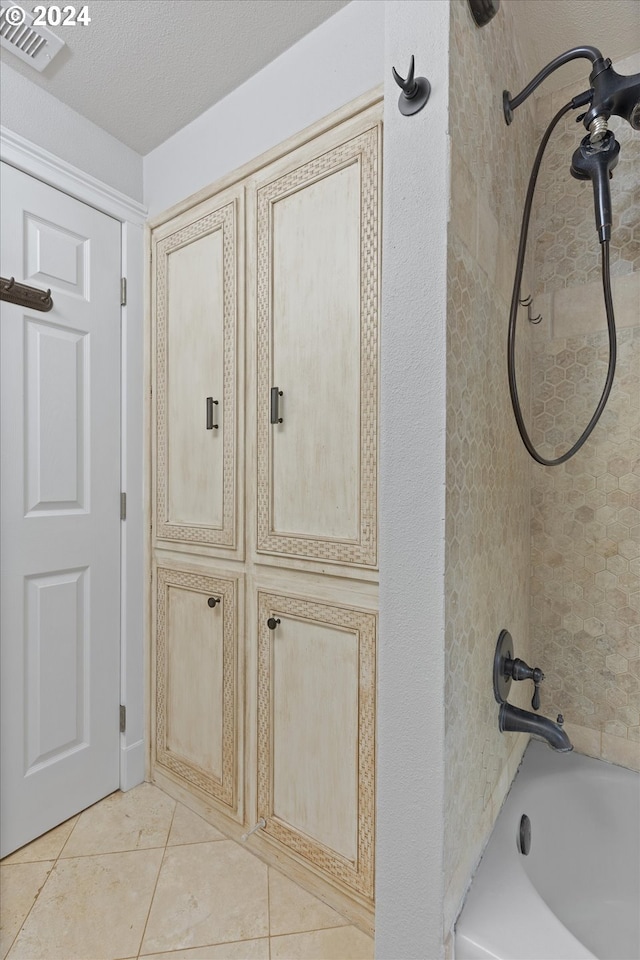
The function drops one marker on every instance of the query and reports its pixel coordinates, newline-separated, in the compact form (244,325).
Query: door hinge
(123,718)
(123,291)
(123,506)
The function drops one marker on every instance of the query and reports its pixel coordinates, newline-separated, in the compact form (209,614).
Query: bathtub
(576,895)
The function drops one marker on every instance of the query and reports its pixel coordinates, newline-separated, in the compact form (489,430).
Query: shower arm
(576,53)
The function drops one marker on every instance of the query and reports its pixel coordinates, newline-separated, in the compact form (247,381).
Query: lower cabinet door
(316,734)
(196,675)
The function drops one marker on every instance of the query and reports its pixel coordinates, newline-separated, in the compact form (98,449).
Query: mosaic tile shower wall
(585,587)
(488,470)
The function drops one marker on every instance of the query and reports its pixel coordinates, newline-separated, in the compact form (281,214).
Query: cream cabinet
(316,734)
(264,485)
(197,294)
(196,700)
(317,243)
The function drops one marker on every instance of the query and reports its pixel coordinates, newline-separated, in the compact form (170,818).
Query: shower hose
(608,302)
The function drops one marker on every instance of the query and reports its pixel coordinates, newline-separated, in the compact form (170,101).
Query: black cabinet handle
(212,601)
(273,622)
(275,404)
(211,403)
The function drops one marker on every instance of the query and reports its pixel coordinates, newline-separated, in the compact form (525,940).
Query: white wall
(44,120)
(333,64)
(410,768)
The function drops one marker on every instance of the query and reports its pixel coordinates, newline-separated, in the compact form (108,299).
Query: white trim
(38,162)
(132,631)
(33,160)
(132,765)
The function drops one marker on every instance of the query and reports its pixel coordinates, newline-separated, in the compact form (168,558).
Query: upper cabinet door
(198,263)
(316,306)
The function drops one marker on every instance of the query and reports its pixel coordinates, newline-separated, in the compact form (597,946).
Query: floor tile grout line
(35,900)
(113,853)
(46,879)
(301,933)
(201,946)
(69,837)
(155,886)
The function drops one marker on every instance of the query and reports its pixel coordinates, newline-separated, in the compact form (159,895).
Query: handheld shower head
(610,94)
(595,161)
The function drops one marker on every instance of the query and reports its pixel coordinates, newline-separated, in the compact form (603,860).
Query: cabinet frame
(275,572)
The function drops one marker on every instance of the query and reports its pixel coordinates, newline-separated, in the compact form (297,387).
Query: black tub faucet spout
(513,719)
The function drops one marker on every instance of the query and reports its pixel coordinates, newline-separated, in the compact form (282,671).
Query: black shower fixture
(610,94)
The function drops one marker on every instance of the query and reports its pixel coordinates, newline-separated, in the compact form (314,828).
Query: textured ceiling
(142,69)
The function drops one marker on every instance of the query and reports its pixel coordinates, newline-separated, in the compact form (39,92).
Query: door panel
(316,358)
(196,698)
(315,707)
(194,467)
(197,304)
(316,723)
(317,335)
(60,561)
(57,421)
(56,661)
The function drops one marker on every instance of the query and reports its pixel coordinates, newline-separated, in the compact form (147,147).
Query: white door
(60,510)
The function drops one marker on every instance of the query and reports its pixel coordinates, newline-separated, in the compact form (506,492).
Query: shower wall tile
(585,585)
(579,310)
(488,471)
(586,536)
(567,252)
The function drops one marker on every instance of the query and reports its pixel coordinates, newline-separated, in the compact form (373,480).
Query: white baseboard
(132,765)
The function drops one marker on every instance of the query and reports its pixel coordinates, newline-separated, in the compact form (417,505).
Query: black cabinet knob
(212,601)
(273,622)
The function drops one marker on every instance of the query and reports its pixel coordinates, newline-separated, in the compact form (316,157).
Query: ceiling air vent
(35,45)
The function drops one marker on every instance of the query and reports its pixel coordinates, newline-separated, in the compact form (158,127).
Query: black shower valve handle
(535,700)
(519,670)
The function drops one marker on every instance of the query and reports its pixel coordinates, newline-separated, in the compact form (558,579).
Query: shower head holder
(610,93)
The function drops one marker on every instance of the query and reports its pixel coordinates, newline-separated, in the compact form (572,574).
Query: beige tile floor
(140,875)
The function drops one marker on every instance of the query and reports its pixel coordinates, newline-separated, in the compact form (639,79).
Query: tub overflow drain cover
(524,835)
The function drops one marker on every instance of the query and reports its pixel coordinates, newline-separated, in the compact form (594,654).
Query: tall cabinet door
(198,263)
(317,295)
(316,734)
(197,702)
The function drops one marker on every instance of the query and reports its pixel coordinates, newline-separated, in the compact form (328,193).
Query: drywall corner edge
(411,767)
